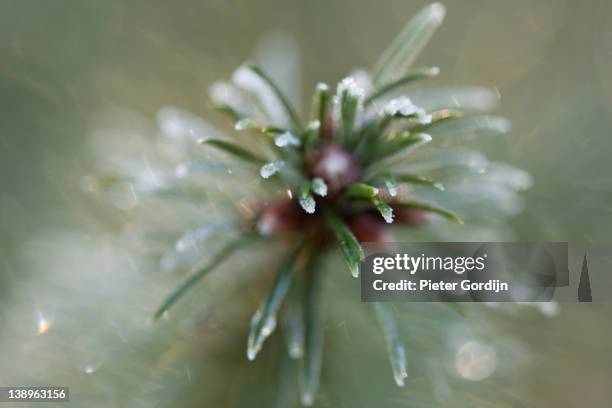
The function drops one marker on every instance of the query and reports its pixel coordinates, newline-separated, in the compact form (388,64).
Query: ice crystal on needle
(404,107)
(286,139)
(350,87)
(269,169)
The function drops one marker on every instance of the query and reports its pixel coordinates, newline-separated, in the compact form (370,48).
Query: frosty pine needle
(364,160)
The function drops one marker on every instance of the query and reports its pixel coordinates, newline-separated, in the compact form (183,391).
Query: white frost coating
(403,106)
(286,139)
(308,204)
(269,169)
(350,86)
(319,187)
(387,213)
(252,83)
(391,188)
(424,120)
(350,89)
(363,79)
(322,87)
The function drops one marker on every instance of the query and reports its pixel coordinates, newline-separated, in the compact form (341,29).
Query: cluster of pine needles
(339,171)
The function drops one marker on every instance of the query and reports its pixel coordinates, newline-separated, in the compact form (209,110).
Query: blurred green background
(63,62)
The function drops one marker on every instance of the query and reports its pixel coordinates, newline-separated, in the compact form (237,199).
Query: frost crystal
(385,210)
(387,213)
(350,86)
(391,188)
(363,79)
(322,87)
(403,106)
(308,204)
(319,187)
(286,139)
(269,169)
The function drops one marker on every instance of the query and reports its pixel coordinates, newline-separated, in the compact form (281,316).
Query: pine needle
(417,74)
(349,245)
(384,209)
(422,205)
(199,273)
(234,150)
(306,200)
(399,56)
(361,190)
(395,347)
(313,346)
(398,146)
(319,187)
(295,119)
(263,322)
(320,105)
(416,179)
(293,321)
